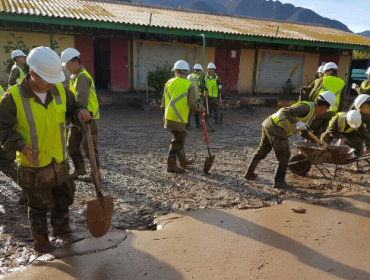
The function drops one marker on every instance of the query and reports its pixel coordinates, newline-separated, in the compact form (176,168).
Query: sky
(353,13)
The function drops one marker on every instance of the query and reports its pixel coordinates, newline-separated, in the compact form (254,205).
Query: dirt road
(133,147)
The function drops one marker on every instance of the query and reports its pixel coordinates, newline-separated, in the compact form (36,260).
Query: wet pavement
(133,147)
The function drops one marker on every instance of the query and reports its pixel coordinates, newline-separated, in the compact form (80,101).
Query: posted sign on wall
(276,69)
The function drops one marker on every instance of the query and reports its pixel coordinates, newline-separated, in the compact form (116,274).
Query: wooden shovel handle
(94,167)
(317,140)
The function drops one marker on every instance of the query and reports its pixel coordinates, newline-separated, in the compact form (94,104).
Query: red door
(119,63)
(329,58)
(85,45)
(227,63)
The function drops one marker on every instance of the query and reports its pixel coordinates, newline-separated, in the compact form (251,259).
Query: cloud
(354,15)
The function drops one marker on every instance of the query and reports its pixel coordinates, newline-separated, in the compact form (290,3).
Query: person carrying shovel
(33,118)
(178,98)
(276,130)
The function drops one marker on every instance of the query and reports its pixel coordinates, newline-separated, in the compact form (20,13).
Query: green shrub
(158,77)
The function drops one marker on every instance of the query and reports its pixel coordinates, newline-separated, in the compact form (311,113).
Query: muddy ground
(133,147)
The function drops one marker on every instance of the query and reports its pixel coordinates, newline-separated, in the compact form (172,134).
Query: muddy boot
(23,199)
(280,174)
(61,230)
(80,169)
(184,162)
(172,166)
(250,175)
(42,243)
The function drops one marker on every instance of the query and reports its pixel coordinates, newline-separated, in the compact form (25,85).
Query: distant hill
(365,33)
(253,8)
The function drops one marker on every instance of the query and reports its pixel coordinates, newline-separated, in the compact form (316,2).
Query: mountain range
(365,33)
(265,9)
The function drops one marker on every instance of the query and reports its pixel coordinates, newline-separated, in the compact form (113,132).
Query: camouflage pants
(76,136)
(49,189)
(177,143)
(278,143)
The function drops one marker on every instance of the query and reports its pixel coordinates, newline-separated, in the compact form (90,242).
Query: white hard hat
(321,69)
(361,99)
(68,54)
(354,119)
(368,71)
(211,65)
(198,67)
(330,65)
(46,63)
(17,53)
(329,97)
(181,65)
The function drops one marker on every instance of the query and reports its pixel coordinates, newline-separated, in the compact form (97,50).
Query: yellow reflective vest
(93,105)
(194,78)
(290,128)
(21,73)
(41,128)
(212,85)
(335,85)
(1,91)
(176,100)
(342,123)
(363,85)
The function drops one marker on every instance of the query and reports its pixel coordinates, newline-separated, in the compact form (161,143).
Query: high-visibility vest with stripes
(1,91)
(212,85)
(290,128)
(41,128)
(342,123)
(93,105)
(21,73)
(335,85)
(176,100)
(363,85)
(194,78)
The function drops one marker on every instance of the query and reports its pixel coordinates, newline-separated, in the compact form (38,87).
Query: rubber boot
(250,175)
(80,169)
(61,229)
(172,166)
(280,174)
(184,162)
(42,243)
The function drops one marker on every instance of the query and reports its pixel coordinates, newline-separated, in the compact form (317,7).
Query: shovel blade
(99,215)
(208,164)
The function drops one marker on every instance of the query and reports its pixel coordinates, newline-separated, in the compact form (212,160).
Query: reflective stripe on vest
(342,123)
(21,73)
(93,105)
(1,91)
(41,128)
(290,128)
(335,85)
(176,100)
(211,85)
(363,85)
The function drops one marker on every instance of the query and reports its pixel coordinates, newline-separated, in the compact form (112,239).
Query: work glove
(301,126)
(354,86)
(220,87)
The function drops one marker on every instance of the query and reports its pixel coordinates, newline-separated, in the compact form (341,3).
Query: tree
(361,55)
(158,77)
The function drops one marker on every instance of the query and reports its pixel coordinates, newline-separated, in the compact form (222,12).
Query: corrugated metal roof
(120,12)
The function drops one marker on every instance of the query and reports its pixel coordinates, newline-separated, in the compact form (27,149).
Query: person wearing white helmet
(329,82)
(195,79)
(365,85)
(348,126)
(212,82)
(307,89)
(33,123)
(362,104)
(276,130)
(17,73)
(178,98)
(83,87)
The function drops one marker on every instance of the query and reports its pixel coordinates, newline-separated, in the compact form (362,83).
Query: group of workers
(34,113)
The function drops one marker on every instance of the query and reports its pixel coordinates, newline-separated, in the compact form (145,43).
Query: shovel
(318,141)
(99,210)
(211,158)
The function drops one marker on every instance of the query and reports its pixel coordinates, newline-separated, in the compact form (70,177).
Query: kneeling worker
(178,98)
(278,127)
(350,127)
